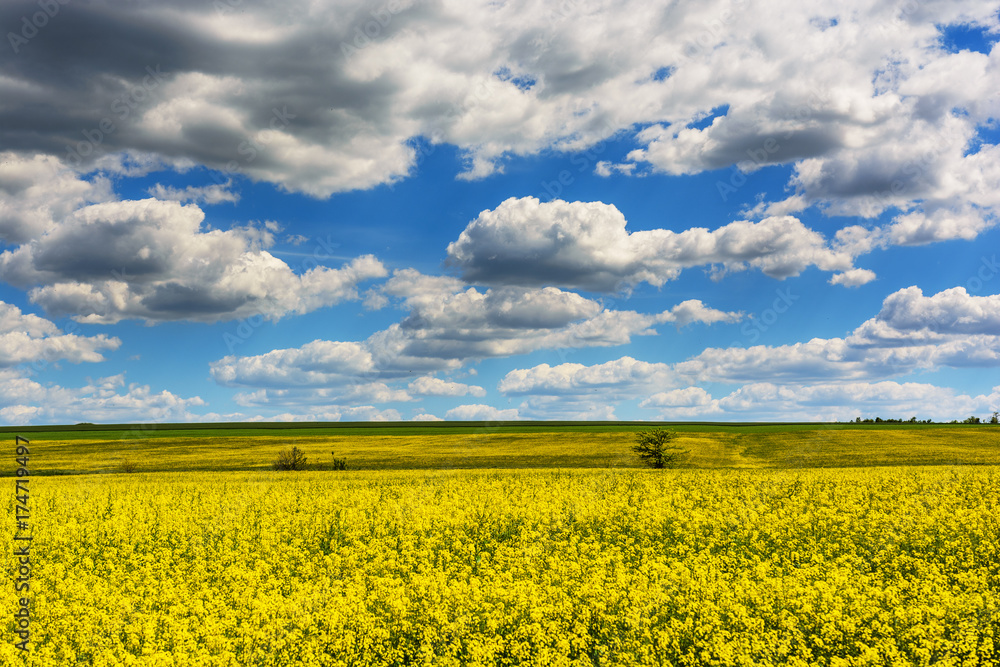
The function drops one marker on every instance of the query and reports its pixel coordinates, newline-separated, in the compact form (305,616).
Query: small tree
(653,447)
(290,459)
(129,464)
(339,464)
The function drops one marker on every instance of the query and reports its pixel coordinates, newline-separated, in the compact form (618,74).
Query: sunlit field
(527,445)
(877,566)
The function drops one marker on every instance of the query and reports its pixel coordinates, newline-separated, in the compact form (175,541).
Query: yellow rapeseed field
(884,566)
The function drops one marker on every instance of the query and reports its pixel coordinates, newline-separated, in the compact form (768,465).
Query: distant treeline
(995,419)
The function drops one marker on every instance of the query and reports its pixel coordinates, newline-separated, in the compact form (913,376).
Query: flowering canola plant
(886,566)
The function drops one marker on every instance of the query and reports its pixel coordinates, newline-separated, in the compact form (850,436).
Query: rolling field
(770,545)
(525,445)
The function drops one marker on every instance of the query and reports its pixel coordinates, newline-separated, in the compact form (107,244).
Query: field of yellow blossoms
(876,566)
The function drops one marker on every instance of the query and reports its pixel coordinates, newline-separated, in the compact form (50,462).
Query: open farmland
(506,445)
(509,544)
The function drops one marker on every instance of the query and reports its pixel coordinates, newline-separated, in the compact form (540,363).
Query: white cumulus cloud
(585,245)
(479,412)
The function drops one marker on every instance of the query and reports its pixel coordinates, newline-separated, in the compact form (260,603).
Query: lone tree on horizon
(653,447)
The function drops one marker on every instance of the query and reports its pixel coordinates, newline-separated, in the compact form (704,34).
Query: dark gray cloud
(151,260)
(97,78)
(327,97)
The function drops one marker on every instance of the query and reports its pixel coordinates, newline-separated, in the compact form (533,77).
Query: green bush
(339,464)
(290,459)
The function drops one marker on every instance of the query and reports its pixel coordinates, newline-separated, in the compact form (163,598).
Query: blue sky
(518,210)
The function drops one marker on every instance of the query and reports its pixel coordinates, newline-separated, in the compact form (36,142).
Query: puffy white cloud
(452,329)
(693,310)
(353,393)
(951,328)
(853,278)
(107,400)
(459,324)
(605,168)
(38,191)
(683,404)
(926,168)
(479,412)
(425,417)
(845,401)
(621,376)
(960,221)
(566,408)
(822,402)
(953,311)
(209,194)
(585,244)
(417,344)
(432,386)
(413,289)
(321,362)
(29,338)
(151,260)
(366,413)
(814,360)
(838,401)
(563,392)
(910,332)
(449,324)
(502,309)
(890,125)
(13,320)
(838,359)
(820,379)
(688,397)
